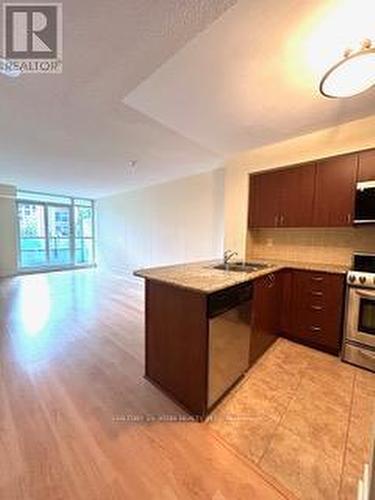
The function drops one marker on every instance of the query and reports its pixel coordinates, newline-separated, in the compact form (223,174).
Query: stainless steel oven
(359,341)
(361,316)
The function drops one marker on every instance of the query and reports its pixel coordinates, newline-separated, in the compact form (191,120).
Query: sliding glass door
(32,232)
(55,234)
(84,237)
(59,235)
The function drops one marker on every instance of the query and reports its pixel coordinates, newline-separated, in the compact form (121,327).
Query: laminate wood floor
(78,420)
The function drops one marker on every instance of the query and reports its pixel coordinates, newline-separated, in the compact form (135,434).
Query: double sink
(247,267)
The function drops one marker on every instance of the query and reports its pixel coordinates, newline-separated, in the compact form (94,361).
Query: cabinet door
(335,191)
(286,315)
(264,200)
(366,169)
(265,314)
(297,196)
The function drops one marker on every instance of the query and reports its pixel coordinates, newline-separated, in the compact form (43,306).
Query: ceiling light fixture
(354,74)
(132,163)
(7,68)
(131,167)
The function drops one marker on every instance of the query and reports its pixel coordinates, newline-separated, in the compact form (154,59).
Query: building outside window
(55,231)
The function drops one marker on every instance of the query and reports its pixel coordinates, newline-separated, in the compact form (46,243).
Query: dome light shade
(352,75)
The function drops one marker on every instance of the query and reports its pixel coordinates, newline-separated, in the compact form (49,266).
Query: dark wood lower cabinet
(315,303)
(266,313)
(177,344)
(301,305)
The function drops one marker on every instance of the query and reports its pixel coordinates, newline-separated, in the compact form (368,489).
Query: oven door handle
(367,295)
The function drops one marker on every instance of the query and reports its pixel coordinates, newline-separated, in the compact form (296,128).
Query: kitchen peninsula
(205,327)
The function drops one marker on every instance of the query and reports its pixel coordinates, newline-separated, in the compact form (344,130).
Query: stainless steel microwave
(365,203)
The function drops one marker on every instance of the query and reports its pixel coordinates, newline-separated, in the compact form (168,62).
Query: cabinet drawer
(313,314)
(318,284)
(318,337)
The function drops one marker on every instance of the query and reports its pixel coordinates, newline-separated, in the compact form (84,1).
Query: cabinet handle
(276,223)
(281,220)
(317,278)
(367,295)
(317,308)
(270,280)
(315,328)
(349,218)
(317,294)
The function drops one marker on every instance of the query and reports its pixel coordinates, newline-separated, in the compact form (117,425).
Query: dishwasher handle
(224,300)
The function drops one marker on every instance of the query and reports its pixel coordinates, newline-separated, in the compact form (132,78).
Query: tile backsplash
(331,246)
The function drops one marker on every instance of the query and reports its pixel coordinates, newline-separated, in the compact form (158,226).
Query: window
(84,237)
(55,231)
(32,231)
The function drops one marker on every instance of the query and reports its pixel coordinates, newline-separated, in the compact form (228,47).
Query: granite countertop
(202,277)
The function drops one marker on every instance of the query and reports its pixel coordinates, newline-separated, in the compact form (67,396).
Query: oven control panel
(361,279)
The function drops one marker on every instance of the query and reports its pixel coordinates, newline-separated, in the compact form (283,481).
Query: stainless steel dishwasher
(229,313)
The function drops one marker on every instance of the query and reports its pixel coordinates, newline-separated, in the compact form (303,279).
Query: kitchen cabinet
(283,198)
(316,302)
(304,306)
(316,194)
(197,344)
(177,344)
(335,191)
(286,301)
(265,199)
(266,313)
(366,166)
(297,196)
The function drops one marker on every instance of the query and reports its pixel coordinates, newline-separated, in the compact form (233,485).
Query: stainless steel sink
(244,267)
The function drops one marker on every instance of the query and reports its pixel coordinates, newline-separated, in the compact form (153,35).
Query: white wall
(352,136)
(8,233)
(169,223)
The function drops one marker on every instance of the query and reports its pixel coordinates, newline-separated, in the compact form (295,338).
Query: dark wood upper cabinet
(297,196)
(335,191)
(265,199)
(366,167)
(317,194)
(283,198)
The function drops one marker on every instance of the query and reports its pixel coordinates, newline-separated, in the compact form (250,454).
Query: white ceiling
(252,77)
(71,133)
(177,85)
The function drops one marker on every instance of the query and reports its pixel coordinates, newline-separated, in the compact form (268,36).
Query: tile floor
(305,418)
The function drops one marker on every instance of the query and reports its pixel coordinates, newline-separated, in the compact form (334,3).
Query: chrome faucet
(228,254)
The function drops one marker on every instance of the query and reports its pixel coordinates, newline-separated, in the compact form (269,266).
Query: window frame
(22,199)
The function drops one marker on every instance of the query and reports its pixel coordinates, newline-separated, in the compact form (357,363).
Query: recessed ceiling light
(354,74)
(7,68)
